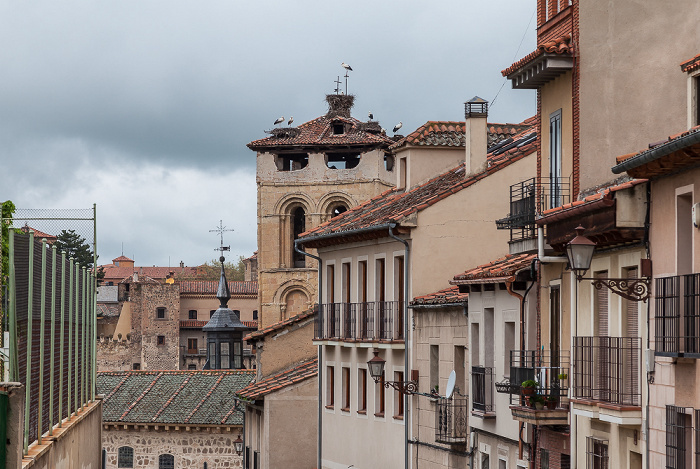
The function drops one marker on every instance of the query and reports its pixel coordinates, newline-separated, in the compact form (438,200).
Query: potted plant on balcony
(551,402)
(563,376)
(537,402)
(528,387)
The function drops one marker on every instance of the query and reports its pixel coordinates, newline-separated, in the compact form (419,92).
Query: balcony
(527,199)
(678,316)
(549,403)
(451,421)
(367,321)
(607,378)
(482,392)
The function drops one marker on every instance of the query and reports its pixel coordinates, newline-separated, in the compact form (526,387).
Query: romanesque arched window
(125,457)
(298,227)
(337,209)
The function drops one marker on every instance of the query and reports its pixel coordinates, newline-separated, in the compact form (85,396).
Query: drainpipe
(647,220)
(320,352)
(405,331)
(540,250)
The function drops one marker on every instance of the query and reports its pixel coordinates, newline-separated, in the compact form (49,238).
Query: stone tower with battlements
(306,175)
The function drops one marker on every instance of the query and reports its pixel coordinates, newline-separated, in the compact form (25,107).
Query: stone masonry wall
(115,355)
(191,448)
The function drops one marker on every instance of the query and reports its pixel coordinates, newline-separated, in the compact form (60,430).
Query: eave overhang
(541,70)
(351,236)
(677,154)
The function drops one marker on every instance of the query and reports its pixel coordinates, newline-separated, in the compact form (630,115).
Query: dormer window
(338,128)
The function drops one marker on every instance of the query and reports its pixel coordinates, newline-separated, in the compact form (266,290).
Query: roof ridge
(117,386)
(143,394)
(194,411)
(172,398)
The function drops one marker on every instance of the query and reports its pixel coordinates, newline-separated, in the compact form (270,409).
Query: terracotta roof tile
(500,269)
(113,272)
(279,325)
(451,134)
(301,372)
(691,65)
(604,193)
(236,287)
(449,295)
(561,45)
(172,397)
(394,204)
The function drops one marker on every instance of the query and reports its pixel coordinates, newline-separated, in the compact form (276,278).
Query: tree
(212,271)
(8,208)
(75,247)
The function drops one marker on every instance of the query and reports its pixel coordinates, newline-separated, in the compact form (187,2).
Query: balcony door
(555,159)
(555,324)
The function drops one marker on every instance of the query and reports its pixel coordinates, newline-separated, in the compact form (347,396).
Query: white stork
(398,126)
(291,119)
(346,67)
(279,120)
(370,115)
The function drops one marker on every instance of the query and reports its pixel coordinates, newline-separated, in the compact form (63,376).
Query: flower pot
(539,406)
(551,405)
(528,391)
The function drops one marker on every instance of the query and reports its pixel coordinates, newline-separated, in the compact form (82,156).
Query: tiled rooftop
(691,65)
(561,45)
(395,204)
(236,287)
(295,375)
(192,397)
(449,295)
(676,152)
(604,193)
(500,269)
(279,325)
(38,234)
(105,310)
(319,132)
(451,134)
(113,272)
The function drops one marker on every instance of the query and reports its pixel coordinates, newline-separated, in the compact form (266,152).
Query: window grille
(544,459)
(596,453)
(160,313)
(193,314)
(125,457)
(482,388)
(166,461)
(668,313)
(677,433)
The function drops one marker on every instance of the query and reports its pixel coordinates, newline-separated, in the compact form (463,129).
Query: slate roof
(187,397)
(604,195)
(395,204)
(236,287)
(495,271)
(299,373)
(279,325)
(678,151)
(319,133)
(560,45)
(691,65)
(447,296)
(451,134)
(107,310)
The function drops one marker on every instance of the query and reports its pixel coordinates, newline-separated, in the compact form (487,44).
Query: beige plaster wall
(447,329)
(426,162)
(459,232)
(349,437)
(557,95)
(620,442)
(285,348)
(192,447)
(292,422)
(632,90)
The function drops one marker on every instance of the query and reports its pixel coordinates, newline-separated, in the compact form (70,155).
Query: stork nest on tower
(283,132)
(340,104)
(371,127)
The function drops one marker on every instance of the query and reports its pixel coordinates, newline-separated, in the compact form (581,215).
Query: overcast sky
(145,107)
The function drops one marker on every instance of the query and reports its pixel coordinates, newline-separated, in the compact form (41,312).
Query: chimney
(182,265)
(475,113)
(136,277)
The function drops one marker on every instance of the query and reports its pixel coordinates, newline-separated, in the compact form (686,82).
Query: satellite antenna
(451,384)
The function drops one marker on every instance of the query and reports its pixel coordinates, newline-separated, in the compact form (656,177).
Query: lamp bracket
(633,289)
(404,387)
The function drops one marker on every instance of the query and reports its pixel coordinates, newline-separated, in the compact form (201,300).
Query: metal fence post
(83,314)
(12,313)
(63,337)
(30,306)
(52,371)
(42,316)
(69,410)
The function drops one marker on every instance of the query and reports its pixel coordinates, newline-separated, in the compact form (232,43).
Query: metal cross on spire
(221,229)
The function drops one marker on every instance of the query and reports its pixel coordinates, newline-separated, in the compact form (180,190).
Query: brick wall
(557,444)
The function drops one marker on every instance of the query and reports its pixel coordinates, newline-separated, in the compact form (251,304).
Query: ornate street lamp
(376,371)
(238,445)
(579,251)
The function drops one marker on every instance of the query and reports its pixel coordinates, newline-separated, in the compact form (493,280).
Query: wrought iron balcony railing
(529,198)
(451,420)
(677,318)
(549,370)
(607,369)
(378,320)
(482,389)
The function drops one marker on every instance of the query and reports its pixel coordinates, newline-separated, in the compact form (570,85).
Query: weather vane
(221,229)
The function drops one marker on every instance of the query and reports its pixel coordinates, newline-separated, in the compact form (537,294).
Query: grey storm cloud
(98,92)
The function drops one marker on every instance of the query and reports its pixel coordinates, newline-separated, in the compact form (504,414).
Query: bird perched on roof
(346,67)
(291,119)
(279,120)
(370,115)
(398,126)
